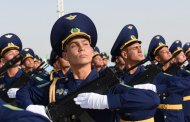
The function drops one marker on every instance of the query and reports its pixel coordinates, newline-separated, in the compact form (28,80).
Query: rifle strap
(52,90)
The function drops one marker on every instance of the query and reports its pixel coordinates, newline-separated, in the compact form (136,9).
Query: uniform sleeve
(37,94)
(131,99)
(10,113)
(171,84)
(23,97)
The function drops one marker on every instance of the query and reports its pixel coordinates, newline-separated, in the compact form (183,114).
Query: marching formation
(82,88)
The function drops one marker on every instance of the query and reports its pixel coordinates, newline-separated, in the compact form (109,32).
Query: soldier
(60,66)
(128,47)
(119,62)
(186,49)
(76,45)
(53,61)
(105,58)
(28,60)
(97,61)
(10,113)
(170,88)
(37,61)
(10,46)
(74,40)
(181,72)
(177,47)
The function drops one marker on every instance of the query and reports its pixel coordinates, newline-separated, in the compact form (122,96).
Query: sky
(32,20)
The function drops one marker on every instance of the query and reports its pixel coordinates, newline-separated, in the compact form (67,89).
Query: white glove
(92,101)
(146,86)
(12,92)
(38,109)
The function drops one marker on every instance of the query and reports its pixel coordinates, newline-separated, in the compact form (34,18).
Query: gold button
(165,117)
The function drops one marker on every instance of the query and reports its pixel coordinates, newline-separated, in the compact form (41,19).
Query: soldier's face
(163,55)
(10,55)
(134,53)
(79,52)
(105,61)
(97,61)
(28,63)
(180,57)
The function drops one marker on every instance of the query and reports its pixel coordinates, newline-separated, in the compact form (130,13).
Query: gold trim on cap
(126,43)
(27,56)
(75,34)
(104,57)
(96,53)
(178,49)
(187,51)
(162,45)
(10,45)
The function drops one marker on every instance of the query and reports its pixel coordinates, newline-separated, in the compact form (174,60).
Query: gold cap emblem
(26,49)
(8,36)
(71,17)
(157,37)
(130,27)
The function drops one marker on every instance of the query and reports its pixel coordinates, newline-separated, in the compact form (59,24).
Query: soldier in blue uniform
(28,60)
(170,88)
(97,61)
(128,47)
(105,58)
(53,61)
(60,66)
(77,44)
(37,61)
(182,72)
(73,36)
(10,113)
(119,62)
(10,46)
(186,49)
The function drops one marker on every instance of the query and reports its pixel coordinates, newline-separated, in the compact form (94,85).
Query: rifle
(150,72)
(19,83)
(66,110)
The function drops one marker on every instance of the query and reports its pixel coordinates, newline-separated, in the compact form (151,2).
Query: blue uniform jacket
(9,113)
(186,103)
(5,80)
(170,90)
